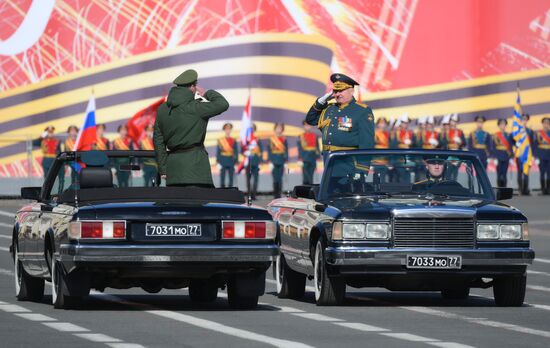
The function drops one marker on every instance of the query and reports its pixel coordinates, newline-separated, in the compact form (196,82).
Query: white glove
(495,161)
(247,153)
(324,99)
(300,163)
(537,162)
(271,166)
(44,135)
(433,142)
(457,140)
(219,166)
(286,167)
(407,141)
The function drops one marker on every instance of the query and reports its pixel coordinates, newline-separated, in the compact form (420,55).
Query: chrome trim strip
(433,213)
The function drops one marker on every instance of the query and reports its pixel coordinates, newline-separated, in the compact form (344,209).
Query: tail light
(97,230)
(248,229)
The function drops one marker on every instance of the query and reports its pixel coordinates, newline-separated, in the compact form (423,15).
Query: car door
(29,221)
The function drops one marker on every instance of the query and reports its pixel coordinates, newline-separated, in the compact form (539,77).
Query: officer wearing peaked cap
(479,141)
(180,130)
(501,150)
(345,124)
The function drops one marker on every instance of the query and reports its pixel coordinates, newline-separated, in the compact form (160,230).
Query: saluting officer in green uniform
(180,129)
(346,124)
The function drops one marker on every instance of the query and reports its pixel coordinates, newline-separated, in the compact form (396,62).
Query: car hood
(148,211)
(360,208)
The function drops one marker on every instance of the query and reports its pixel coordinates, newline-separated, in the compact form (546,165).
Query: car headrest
(91,177)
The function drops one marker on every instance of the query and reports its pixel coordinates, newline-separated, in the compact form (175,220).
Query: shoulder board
(362,105)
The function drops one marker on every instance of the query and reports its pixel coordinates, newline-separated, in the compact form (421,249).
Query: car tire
(329,291)
(509,291)
(290,284)
(27,287)
(60,299)
(456,294)
(238,299)
(203,291)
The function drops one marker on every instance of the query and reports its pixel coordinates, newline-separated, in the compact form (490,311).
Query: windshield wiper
(361,194)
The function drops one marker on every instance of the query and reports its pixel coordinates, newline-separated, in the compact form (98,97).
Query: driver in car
(435,174)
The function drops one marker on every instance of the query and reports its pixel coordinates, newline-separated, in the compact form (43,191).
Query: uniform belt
(338,148)
(544,146)
(480,146)
(186,149)
(49,155)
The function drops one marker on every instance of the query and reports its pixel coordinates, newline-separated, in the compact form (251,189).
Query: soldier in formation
(308,153)
(227,155)
(278,156)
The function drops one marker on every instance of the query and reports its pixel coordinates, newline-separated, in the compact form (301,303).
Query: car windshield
(117,172)
(390,175)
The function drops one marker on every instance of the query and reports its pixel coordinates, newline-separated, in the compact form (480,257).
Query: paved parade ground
(369,317)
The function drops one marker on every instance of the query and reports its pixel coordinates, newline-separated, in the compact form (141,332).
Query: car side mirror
(32,193)
(303,191)
(503,193)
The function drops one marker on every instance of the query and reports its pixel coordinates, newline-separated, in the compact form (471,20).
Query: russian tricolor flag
(87,134)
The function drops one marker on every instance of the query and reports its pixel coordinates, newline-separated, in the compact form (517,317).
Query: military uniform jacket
(403,139)
(346,126)
(147,144)
(227,152)
(67,145)
(453,139)
(542,144)
(308,147)
(426,139)
(50,147)
(479,142)
(101,143)
(382,139)
(278,150)
(501,146)
(181,123)
(256,151)
(123,144)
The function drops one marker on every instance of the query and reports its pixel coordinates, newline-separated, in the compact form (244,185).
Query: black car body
(83,232)
(446,233)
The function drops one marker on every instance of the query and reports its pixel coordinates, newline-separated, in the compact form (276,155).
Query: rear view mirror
(303,191)
(503,193)
(32,193)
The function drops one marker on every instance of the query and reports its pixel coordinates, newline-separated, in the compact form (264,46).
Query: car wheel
(238,294)
(456,294)
(60,299)
(329,291)
(290,284)
(509,291)
(27,287)
(203,291)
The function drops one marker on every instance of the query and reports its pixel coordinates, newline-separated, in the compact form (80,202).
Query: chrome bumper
(99,253)
(351,256)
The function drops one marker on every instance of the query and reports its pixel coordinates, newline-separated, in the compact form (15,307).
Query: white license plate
(173,230)
(434,261)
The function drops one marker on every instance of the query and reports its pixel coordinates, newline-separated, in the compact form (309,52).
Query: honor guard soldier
(278,156)
(346,124)
(308,152)
(403,137)
(454,138)
(149,164)
(523,179)
(382,135)
(227,154)
(49,146)
(420,128)
(180,127)
(429,138)
(542,150)
(254,152)
(501,150)
(101,142)
(70,142)
(479,141)
(122,143)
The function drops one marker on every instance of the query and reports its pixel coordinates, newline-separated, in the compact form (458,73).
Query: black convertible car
(423,220)
(97,222)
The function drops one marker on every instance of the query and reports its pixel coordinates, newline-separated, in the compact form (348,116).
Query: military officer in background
(453,138)
(49,146)
(308,152)
(123,143)
(149,165)
(345,124)
(180,130)
(101,143)
(523,179)
(403,137)
(382,134)
(542,151)
(254,152)
(227,153)
(419,130)
(501,150)
(278,156)
(70,142)
(429,138)
(479,141)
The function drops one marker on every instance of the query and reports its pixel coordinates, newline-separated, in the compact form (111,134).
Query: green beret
(187,77)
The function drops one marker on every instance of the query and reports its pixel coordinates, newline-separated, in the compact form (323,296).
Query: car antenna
(249,181)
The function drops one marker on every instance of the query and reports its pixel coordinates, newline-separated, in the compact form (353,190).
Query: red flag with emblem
(138,122)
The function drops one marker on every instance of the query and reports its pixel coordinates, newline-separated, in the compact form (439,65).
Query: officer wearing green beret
(180,129)
(345,124)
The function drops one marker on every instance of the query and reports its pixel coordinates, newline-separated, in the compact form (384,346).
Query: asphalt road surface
(369,317)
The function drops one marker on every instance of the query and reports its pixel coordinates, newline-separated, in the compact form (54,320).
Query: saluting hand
(200,91)
(324,99)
